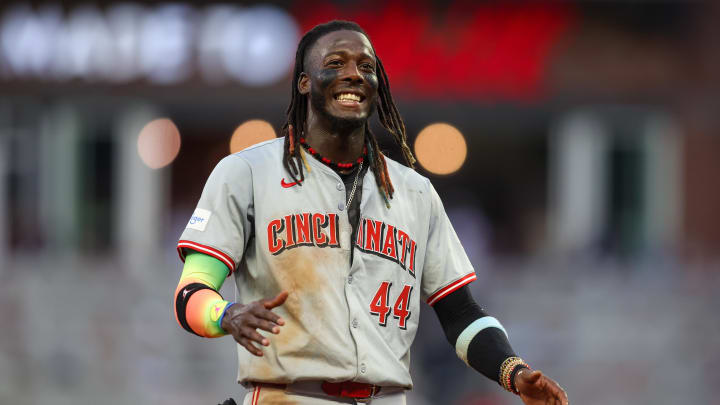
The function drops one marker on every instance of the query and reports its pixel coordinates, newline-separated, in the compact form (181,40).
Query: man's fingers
(277,301)
(251,333)
(536,382)
(555,387)
(264,325)
(559,394)
(244,323)
(247,344)
(263,313)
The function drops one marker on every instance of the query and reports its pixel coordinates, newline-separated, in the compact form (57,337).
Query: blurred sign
(165,44)
(467,50)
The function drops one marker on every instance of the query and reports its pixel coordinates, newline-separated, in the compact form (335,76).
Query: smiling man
(333,250)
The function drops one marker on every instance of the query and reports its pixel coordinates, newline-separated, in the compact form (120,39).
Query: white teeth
(348,97)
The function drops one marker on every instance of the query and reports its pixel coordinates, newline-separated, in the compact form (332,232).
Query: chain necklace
(352,193)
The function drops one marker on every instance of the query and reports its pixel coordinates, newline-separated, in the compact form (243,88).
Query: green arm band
(206,268)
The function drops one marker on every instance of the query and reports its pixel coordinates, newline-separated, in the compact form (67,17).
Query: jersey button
(350,279)
(363,369)
(355,323)
(339,186)
(341,206)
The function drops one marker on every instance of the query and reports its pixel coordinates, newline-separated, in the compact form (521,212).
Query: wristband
(219,322)
(507,372)
(514,373)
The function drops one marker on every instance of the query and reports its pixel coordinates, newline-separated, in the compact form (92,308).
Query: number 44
(379,305)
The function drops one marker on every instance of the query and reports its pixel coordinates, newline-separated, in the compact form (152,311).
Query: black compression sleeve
(487,351)
(489,348)
(456,311)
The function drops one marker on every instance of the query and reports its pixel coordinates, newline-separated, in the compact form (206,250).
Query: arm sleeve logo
(199,219)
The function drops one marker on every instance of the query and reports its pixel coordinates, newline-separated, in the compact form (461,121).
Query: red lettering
(404,238)
(379,304)
(400,309)
(275,244)
(359,241)
(290,240)
(302,226)
(411,265)
(333,229)
(372,235)
(389,247)
(319,222)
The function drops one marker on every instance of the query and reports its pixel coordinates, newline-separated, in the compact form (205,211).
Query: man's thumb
(277,301)
(533,377)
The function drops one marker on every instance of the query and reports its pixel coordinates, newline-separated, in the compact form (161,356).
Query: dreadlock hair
(388,115)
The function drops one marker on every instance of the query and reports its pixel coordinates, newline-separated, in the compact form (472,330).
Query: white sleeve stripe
(467,335)
(207,250)
(451,288)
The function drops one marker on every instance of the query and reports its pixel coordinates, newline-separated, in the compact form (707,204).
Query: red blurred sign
(469,51)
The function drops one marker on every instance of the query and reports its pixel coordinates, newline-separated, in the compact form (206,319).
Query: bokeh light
(249,133)
(159,143)
(259,45)
(441,148)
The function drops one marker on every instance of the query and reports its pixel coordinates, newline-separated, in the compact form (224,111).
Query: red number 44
(379,305)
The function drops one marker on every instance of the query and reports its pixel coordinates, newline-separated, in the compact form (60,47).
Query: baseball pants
(299,395)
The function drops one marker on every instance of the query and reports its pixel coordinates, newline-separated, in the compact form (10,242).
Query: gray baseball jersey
(344,321)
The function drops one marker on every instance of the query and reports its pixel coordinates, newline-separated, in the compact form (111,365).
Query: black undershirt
(353,211)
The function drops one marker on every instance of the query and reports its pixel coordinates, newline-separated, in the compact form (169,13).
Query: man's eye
(335,63)
(367,66)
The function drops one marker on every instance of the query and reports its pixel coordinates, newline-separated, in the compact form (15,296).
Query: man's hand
(241,321)
(538,389)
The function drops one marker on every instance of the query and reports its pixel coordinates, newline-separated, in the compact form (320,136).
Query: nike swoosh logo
(287,185)
(185,292)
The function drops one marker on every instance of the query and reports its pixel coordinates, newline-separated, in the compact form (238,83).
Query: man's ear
(303,84)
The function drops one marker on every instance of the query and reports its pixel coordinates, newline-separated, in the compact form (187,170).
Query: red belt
(345,389)
(350,389)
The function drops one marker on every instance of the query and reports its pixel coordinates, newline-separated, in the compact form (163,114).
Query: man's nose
(352,74)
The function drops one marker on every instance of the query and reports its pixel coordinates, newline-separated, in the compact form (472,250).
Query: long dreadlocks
(387,113)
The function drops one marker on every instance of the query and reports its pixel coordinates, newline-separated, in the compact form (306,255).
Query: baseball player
(332,247)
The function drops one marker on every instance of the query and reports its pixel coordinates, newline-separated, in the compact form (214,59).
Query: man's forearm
(479,339)
(199,307)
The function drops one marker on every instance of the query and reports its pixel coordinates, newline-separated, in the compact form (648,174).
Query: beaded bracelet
(516,371)
(506,372)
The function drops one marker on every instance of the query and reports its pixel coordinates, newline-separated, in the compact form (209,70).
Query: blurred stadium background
(579,165)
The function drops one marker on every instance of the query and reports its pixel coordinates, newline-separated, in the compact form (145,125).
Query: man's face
(341,79)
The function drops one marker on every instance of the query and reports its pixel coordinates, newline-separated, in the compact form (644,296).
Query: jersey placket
(357,312)
(347,245)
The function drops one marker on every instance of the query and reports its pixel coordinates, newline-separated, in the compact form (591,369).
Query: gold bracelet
(506,370)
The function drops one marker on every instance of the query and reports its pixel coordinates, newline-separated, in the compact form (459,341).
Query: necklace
(334,165)
(352,193)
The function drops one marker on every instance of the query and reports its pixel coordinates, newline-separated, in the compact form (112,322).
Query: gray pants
(311,394)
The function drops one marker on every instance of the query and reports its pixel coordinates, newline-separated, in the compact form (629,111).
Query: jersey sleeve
(447,267)
(221,224)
